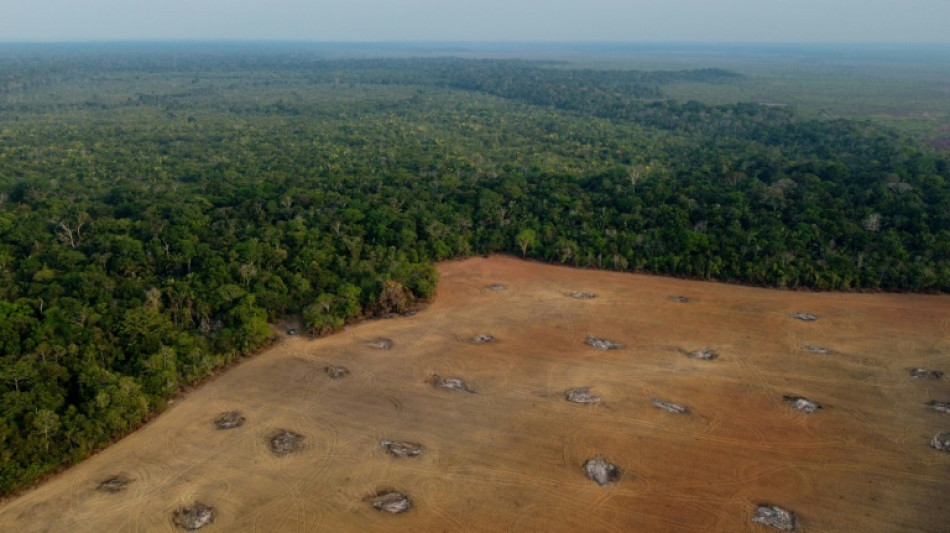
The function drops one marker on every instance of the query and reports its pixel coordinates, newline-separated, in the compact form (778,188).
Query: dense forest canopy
(159,206)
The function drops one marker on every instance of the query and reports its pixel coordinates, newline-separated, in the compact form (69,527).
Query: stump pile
(600,471)
(601,344)
(923,373)
(195,516)
(581,395)
(941,441)
(336,371)
(390,501)
(381,343)
(775,516)
(113,484)
(483,338)
(582,295)
(401,448)
(705,354)
(285,442)
(671,407)
(229,420)
(454,384)
(802,404)
(943,407)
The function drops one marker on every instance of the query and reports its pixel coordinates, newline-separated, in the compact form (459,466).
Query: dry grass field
(510,456)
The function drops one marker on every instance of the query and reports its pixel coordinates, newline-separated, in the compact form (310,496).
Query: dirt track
(510,457)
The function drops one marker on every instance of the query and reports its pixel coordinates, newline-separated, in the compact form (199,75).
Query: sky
(878,21)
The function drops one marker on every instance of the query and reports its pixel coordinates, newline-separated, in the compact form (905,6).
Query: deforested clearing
(512,457)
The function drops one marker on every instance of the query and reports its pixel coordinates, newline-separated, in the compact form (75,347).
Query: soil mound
(943,407)
(229,420)
(923,373)
(483,338)
(670,406)
(705,354)
(582,295)
(380,343)
(402,448)
(805,317)
(802,404)
(390,501)
(336,372)
(775,516)
(496,287)
(285,442)
(581,395)
(456,384)
(600,471)
(817,349)
(602,344)
(197,516)
(113,484)
(941,441)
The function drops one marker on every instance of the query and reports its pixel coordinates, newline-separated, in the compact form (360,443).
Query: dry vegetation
(512,457)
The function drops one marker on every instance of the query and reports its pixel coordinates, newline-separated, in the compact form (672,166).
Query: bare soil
(511,458)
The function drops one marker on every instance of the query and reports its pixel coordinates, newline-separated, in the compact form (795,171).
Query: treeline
(150,238)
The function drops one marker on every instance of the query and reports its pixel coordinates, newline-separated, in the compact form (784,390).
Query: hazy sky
(478,20)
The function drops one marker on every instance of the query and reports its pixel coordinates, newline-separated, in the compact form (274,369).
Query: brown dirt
(511,458)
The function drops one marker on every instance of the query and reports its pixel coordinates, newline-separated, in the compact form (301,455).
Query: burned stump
(601,344)
(941,441)
(336,372)
(581,395)
(196,516)
(805,317)
(600,471)
(817,349)
(455,384)
(285,442)
(381,343)
(923,373)
(704,354)
(483,338)
(582,295)
(802,404)
(671,407)
(497,287)
(401,448)
(390,501)
(775,516)
(943,407)
(229,420)
(114,484)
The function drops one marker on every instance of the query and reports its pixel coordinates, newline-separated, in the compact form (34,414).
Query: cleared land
(511,456)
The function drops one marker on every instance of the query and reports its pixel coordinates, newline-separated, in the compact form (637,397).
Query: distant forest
(158,208)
